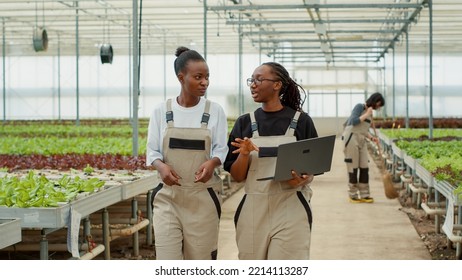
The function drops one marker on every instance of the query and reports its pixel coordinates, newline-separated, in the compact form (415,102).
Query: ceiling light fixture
(320,28)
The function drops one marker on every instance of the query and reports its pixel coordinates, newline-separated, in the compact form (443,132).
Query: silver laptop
(310,156)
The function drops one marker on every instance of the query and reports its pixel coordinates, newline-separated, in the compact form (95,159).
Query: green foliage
(27,138)
(37,191)
(230,125)
(458,192)
(70,130)
(419,132)
(55,138)
(88,170)
(436,149)
(442,158)
(77,145)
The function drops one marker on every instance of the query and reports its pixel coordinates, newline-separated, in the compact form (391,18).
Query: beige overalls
(273,220)
(186,217)
(356,157)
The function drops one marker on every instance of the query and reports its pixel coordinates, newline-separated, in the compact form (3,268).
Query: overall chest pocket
(263,163)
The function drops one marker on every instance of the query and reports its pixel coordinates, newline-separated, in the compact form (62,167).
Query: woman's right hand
(240,167)
(167,174)
(244,146)
(369,111)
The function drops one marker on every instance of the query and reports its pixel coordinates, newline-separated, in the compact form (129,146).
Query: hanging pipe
(94,252)
(35,247)
(454,238)
(116,233)
(441,204)
(430,211)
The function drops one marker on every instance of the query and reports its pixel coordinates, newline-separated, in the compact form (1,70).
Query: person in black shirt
(273,220)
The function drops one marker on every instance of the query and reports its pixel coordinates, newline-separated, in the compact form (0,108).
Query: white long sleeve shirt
(187,117)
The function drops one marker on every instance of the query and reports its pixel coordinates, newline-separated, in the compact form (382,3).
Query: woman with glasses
(273,219)
(186,142)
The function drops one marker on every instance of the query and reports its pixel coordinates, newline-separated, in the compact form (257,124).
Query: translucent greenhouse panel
(346,102)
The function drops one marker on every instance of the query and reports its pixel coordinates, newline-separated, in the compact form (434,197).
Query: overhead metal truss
(332,32)
(302,33)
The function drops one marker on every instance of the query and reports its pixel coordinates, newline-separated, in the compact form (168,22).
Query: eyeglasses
(258,82)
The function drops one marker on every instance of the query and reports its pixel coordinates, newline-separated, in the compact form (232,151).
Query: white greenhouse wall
(35,89)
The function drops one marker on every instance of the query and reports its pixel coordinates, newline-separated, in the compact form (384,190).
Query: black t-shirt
(269,124)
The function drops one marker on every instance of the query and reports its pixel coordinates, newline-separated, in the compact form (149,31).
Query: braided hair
(183,56)
(290,91)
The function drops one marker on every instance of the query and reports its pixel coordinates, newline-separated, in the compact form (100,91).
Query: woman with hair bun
(186,143)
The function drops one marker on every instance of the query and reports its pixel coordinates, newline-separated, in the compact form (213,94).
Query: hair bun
(180,50)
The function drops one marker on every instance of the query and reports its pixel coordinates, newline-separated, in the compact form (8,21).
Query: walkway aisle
(346,231)
(227,248)
(341,230)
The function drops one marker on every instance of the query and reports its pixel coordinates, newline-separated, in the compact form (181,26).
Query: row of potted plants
(437,161)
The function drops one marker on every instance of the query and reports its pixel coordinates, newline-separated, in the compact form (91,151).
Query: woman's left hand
(374,139)
(300,180)
(205,172)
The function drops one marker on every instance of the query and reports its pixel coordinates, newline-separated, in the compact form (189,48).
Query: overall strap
(254,125)
(369,118)
(206,114)
(169,113)
(293,124)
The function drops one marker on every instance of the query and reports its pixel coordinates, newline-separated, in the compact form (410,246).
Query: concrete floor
(341,230)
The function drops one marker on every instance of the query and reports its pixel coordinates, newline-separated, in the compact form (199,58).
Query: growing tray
(140,186)
(58,217)
(424,174)
(10,232)
(409,161)
(447,190)
(397,151)
(387,141)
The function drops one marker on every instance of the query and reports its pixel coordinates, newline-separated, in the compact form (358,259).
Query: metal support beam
(394,83)
(430,43)
(405,26)
(327,21)
(313,6)
(59,77)
(165,63)
(275,33)
(407,79)
(4,69)
(136,80)
(205,29)
(241,90)
(275,41)
(77,54)
(135,236)
(130,73)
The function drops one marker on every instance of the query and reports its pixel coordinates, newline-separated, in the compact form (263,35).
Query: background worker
(355,149)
